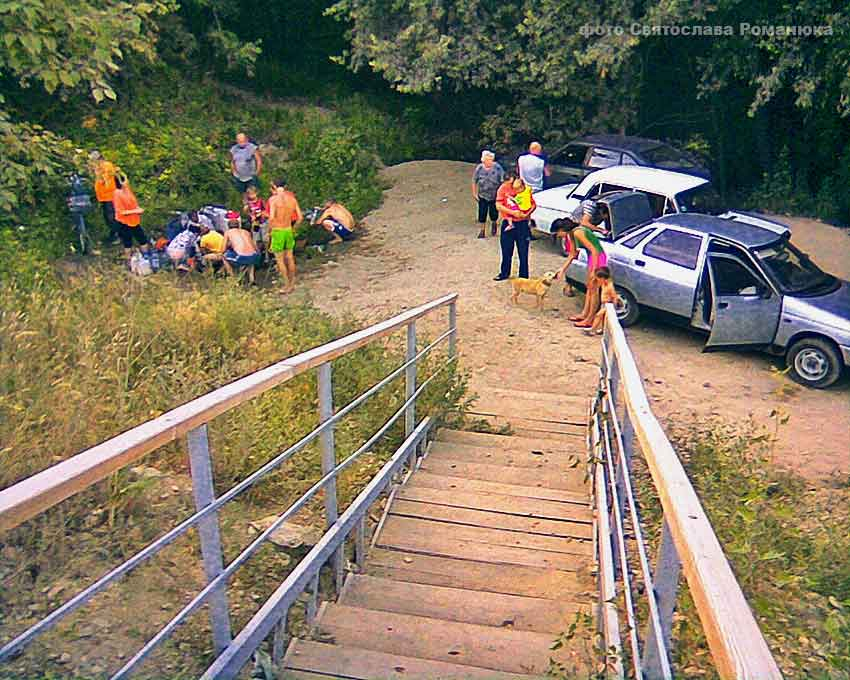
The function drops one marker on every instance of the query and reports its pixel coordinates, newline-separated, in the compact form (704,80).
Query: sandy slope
(421,244)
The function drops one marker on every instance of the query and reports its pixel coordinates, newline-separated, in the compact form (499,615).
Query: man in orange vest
(104,189)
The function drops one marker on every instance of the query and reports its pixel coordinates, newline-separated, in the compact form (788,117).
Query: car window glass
(656,202)
(634,241)
(675,247)
(613,187)
(603,158)
(594,191)
(731,277)
(573,155)
(628,160)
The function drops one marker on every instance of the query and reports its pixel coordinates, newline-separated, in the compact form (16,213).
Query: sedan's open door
(745,308)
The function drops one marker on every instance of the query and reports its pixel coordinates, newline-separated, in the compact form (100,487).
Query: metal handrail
(45,489)
(688,541)
(144,438)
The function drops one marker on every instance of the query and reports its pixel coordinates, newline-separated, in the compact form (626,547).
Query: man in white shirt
(532,167)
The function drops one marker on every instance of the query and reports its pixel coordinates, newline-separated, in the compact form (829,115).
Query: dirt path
(421,244)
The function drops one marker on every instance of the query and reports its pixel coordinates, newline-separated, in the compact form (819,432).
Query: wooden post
(203,491)
(666,584)
(410,380)
(326,411)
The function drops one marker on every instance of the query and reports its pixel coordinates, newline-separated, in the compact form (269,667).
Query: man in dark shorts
(486,180)
(245,163)
(240,250)
(337,219)
(128,215)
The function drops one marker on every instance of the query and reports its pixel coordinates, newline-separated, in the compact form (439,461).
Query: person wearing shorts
(588,219)
(128,216)
(284,215)
(338,220)
(486,180)
(240,251)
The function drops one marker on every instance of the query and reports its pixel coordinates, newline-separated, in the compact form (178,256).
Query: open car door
(628,209)
(745,308)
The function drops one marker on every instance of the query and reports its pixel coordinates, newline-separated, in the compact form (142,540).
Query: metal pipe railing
(688,543)
(85,469)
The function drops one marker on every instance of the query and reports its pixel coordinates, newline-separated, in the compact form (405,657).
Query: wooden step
(501,441)
(467,644)
(571,511)
(531,427)
(307,660)
(461,572)
(566,459)
(545,477)
(423,478)
(467,517)
(465,606)
(484,545)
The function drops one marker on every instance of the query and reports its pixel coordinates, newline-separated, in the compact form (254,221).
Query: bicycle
(79,203)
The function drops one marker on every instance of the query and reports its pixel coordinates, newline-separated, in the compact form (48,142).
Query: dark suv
(586,154)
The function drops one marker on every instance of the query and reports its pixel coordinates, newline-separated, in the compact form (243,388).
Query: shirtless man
(240,251)
(336,219)
(284,215)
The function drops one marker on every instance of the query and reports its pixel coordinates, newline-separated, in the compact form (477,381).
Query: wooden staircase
(482,559)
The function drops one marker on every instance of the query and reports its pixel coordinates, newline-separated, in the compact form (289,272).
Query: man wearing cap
(532,167)
(486,180)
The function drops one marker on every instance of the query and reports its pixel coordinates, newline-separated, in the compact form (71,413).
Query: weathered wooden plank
(499,441)
(552,458)
(486,545)
(578,510)
(457,572)
(47,488)
(465,606)
(426,479)
(546,477)
(308,660)
(499,649)
(529,427)
(491,520)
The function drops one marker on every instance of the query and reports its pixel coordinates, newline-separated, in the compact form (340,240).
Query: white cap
(487,154)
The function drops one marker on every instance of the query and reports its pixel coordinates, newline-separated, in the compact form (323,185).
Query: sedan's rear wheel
(628,312)
(814,362)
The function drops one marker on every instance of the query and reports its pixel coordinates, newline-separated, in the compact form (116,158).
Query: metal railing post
(281,637)
(410,380)
(326,411)
(360,543)
(666,584)
(203,491)
(453,327)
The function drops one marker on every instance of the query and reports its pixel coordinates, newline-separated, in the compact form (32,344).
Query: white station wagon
(669,193)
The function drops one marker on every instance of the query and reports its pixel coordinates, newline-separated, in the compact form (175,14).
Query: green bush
(330,160)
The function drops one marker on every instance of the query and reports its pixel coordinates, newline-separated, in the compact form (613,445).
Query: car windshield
(702,199)
(791,269)
(665,156)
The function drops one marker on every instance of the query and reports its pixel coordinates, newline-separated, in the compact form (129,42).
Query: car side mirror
(749,290)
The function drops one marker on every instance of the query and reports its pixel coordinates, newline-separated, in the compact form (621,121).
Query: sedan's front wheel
(814,362)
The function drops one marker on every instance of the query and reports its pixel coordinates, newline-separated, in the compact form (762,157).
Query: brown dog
(537,287)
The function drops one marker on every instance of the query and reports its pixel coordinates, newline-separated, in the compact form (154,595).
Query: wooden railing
(688,542)
(38,493)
